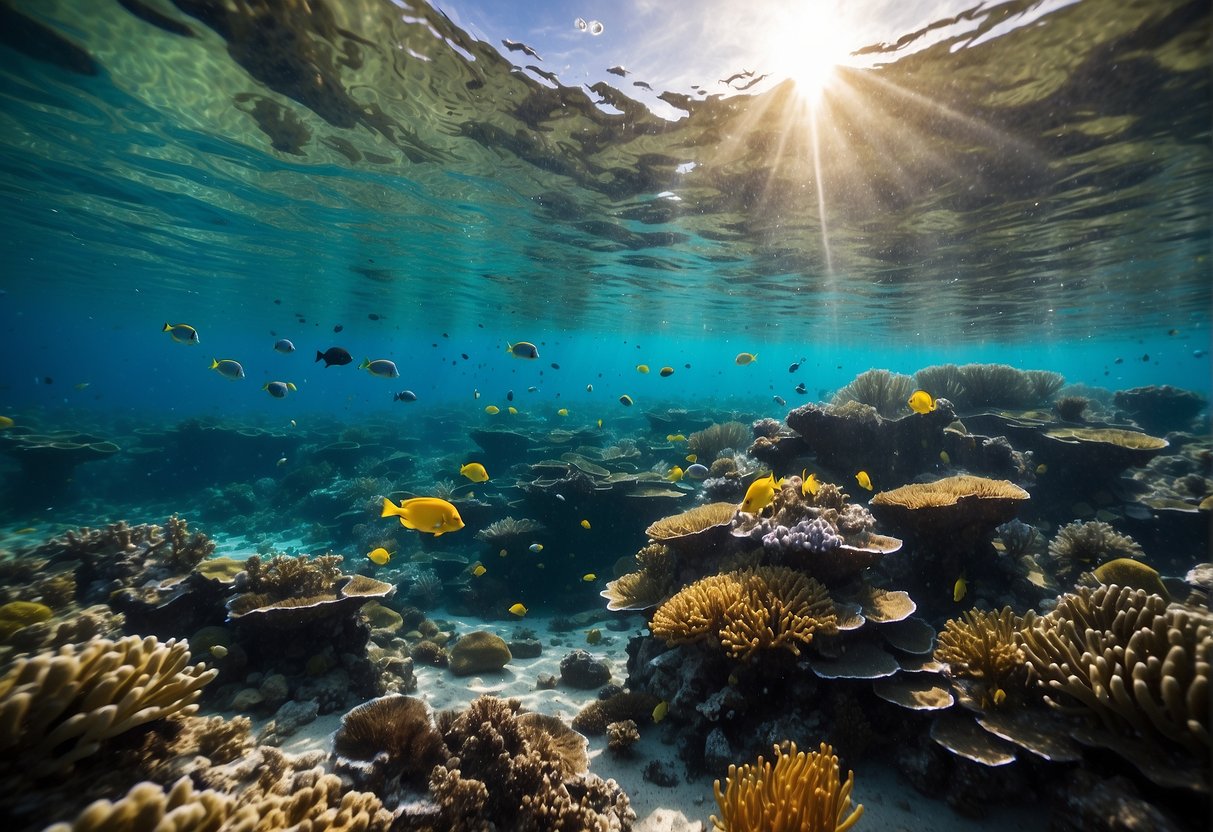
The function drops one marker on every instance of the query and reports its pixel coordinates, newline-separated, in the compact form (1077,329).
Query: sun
(806,42)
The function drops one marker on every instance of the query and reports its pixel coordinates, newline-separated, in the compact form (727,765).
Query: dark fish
(464,356)
(801,389)
(509,397)
(338,328)
(405,396)
(1145,357)
(1172,331)
(779,400)
(334,355)
(618,70)
(794,367)
(372,316)
(555,366)
(688,366)
(519,46)
(1119,361)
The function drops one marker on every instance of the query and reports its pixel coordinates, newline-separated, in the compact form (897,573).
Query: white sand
(890,803)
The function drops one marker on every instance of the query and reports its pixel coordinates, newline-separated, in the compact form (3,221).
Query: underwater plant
(708,443)
(1081,543)
(883,390)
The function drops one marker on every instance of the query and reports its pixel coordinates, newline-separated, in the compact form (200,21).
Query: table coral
(802,792)
(58,708)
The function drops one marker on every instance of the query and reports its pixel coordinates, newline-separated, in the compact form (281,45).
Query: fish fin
(214,363)
(389,508)
(366,362)
(167,327)
(319,356)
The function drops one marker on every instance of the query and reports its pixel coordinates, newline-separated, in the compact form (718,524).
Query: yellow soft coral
(800,793)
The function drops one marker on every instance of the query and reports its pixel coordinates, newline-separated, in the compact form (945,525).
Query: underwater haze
(723,296)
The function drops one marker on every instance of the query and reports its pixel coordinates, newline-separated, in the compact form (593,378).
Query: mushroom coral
(748,610)
(802,792)
(1139,667)
(57,708)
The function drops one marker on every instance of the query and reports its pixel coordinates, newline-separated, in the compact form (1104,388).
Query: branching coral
(982,645)
(1091,542)
(285,577)
(747,611)
(58,708)
(508,528)
(885,391)
(1018,538)
(1141,668)
(709,442)
(800,793)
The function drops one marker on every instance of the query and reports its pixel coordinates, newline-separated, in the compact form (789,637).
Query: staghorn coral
(983,646)
(748,610)
(1123,656)
(709,442)
(58,708)
(800,793)
(882,390)
(1082,543)
(507,529)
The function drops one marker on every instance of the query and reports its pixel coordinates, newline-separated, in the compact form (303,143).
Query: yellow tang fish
(675,474)
(809,484)
(600,424)
(589,577)
(921,402)
(479,570)
(691,458)
(760,494)
(379,556)
(661,710)
(1000,696)
(518,610)
(944,458)
(865,482)
(475,472)
(1041,469)
(959,589)
(513,410)
(431,515)
(744,358)
(643,369)
(675,437)
(492,410)
(585,524)
(564,411)
(6,422)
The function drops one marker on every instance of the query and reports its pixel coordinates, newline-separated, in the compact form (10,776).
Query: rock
(247,699)
(545,681)
(275,689)
(525,648)
(1090,804)
(289,719)
(661,774)
(718,755)
(479,652)
(581,670)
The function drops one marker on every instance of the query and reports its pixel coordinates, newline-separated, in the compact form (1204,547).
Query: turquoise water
(1017,183)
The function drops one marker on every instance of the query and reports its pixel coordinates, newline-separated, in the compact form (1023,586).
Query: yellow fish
(281,461)
(593,636)
(661,710)
(589,577)
(691,458)
(564,411)
(959,589)
(921,402)
(1000,696)
(760,494)
(600,424)
(492,410)
(379,556)
(1042,468)
(675,437)
(513,410)
(518,610)
(809,485)
(675,474)
(744,358)
(479,570)
(944,458)
(431,515)
(585,524)
(536,547)
(666,372)
(26,530)
(181,333)
(865,482)
(6,422)
(643,369)
(475,472)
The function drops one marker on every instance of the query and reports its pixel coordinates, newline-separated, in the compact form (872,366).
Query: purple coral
(815,535)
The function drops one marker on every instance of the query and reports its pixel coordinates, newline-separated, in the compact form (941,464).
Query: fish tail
(167,327)
(366,362)
(319,356)
(214,363)
(389,508)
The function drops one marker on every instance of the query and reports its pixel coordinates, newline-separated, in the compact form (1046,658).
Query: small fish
(523,349)
(589,577)
(181,333)
(475,472)
(666,372)
(560,497)
(959,589)
(744,358)
(944,458)
(794,366)
(625,400)
(518,610)
(675,437)
(532,389)
(509,395)
(492,410)
(697,472)
(921,401)
(513,411)
(475,394)
(734,679)
(865,482)
(809,485)
(1145,357)
(279,389)
(380,367)
(691,458)
(284,346)
(1119,361)
(479,570)
(6,422)
(535,547)
(593,636)
(801,388)
(760,494)
(502,553)
(589,388)
(779,400)
(600,424)
(675,474)
(227,368)
(218,651)
(81,385)
(555,366)
(661,710)
(338,328)
(281,461)
(643,369)
(334,355)
(564,411)
(1000,696)
(1042,469)
(379,556)
(585,524)
(26,530)
(294,424)
(431,515)
(405,396)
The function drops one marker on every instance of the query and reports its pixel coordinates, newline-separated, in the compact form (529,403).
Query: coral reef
(802,792)
(636,706)
(708,443)
(394,731)
(1081,544)
(1160,408)
(691,527)
(983,646)
(647,587)
(1071,408)
(884,391)
(508,529)
(621,736)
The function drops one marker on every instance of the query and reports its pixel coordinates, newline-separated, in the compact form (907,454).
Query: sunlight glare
(807,43)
